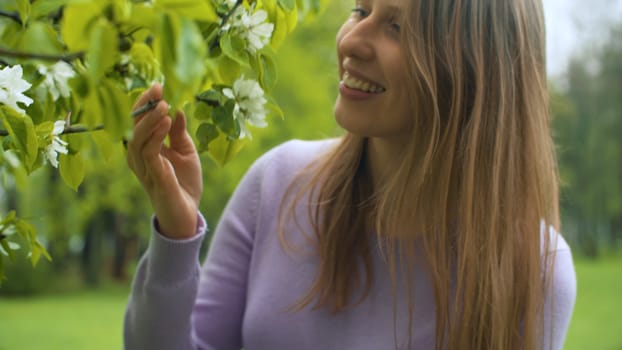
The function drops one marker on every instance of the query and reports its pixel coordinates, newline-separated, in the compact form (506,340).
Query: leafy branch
(151,104)
(27,55)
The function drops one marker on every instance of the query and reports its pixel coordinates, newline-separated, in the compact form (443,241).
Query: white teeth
(357,84)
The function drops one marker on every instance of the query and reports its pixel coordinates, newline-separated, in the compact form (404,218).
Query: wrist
(178,231)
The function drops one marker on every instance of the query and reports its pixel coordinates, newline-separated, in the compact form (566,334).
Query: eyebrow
(394,10)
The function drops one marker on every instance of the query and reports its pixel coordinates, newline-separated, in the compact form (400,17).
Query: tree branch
(27,55)
(140,110)
(12,15)
(225,19)
(67,131)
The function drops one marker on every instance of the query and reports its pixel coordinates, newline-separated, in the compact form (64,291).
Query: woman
(432,224)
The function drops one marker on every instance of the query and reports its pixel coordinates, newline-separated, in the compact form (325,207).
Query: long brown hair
(478,179)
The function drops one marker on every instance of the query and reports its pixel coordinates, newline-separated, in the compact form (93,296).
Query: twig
(17,54)
(144,108)
(225,19)
(67,131)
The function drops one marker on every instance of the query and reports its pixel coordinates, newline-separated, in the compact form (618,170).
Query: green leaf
(43,8)
(104,143)
(26,230)
(223,119)
(169,29)
(117,120)
(212,95)
(44,129)
(292,19)
(91,107)
(228,69)
(41,38)
(143,16)
(71,169)
(2,251)
(267,71)
(78,19)
(202,111)
(193,9)
(287,5)
(7,249)
(205,134)
(222,149)
(43,251)
(274,109)
(103,49)
(235,48)
(35,255)
(190,54)
(79,85)
(23,8)
(23,133)
(280,28)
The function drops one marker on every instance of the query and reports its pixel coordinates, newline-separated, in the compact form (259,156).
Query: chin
(349,122)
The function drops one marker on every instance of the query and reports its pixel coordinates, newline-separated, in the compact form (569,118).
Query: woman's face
(373,92)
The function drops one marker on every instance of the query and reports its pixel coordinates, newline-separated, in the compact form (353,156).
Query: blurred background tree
(587,117)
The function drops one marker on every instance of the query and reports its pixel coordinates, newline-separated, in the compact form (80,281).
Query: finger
(145,127)
(151,150)
(153,94)
(142,132)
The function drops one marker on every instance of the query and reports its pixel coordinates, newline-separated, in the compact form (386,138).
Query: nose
(355,39)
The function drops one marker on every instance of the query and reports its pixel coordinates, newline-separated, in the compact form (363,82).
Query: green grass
(86,320)
(597,319)
(93,319)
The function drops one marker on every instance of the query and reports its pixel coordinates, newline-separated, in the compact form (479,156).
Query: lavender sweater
(239,297)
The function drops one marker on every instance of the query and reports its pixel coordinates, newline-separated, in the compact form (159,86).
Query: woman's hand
(171,175)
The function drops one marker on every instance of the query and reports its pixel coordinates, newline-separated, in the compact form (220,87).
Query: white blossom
(57,145)
(12,88)
(249,104)
(254,29)
(57,79)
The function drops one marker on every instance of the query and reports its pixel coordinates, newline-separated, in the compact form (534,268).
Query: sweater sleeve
(560,299)
(163,292)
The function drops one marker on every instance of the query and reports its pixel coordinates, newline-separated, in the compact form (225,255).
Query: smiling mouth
(361,85)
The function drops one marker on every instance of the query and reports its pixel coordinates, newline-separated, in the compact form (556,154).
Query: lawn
(86,320)
(93,319)
(597,321)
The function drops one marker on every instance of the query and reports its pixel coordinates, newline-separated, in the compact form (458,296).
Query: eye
(359,12)
(395,25)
